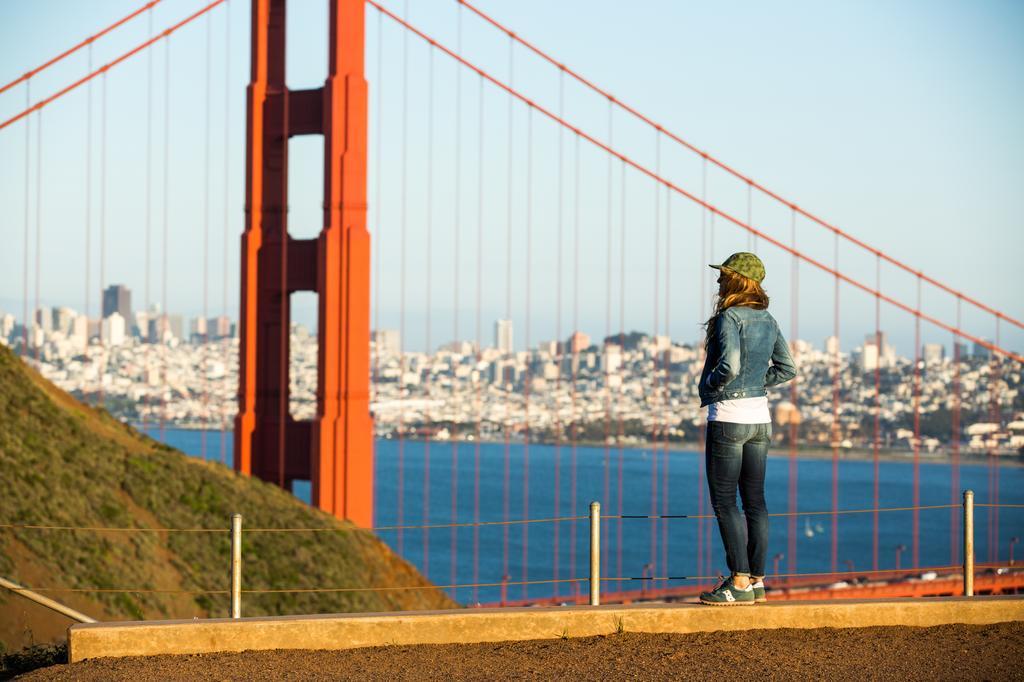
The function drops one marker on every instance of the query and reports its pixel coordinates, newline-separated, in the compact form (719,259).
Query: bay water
(427,492)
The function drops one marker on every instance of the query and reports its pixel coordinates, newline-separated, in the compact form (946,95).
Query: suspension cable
(70,51)
(144,333)
(103,218)
(479,334)
(37,321)
(916,522)
(714,210)
(505,362)
(606,354)
(88,221)
(878,410)
(723,166)
(164,321)
(559,344)
(453,540)
(666,398)
(223,325)
(795,419)
(836,426)
(205,329)
(576,342)
(620,445)
(109,65)
(403,225)
(527,374)
(24,281)
(702,279)
(428,321)
(656,389)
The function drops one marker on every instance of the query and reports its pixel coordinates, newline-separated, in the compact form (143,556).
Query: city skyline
(645,383)
(220,326)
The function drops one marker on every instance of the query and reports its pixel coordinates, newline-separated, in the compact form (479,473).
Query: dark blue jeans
(736,455)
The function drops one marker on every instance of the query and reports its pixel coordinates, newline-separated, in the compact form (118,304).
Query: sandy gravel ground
(948,652)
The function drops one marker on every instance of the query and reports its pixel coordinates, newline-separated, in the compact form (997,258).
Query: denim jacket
(746,355)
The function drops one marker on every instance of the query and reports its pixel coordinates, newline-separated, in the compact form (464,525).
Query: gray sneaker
(728,594)
(759,595)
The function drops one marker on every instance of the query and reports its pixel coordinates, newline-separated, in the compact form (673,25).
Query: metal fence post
(968,543)
(595,553)
(236,565)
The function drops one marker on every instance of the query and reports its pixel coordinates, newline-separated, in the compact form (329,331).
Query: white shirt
(741,411)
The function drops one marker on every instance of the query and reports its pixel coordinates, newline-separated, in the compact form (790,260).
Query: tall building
(62,320)
(112,329)
(197,329)
(6,326)
(162,328)
(177,326)
(503,335)
(933,353)
(44,319)
(579,342)
(549,347)
(386,342)
(140,326)
(79,334)
(117,298)
(873,357)
(611,358)
(219,327)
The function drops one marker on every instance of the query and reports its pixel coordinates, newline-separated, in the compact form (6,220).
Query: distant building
(459,348)
(503,335)
(177,324)
(832,345)
(197,329)
(157,328)
(873,357)
(933,353)
(981,352)
(63,319)
(611,358)
(162,328)
(79,334)
(6,326)
(44,319)
(505,372)
(219,327)
(112,330)
(140,325)
(386,341)
(117,298)
(549,347)
(578,342)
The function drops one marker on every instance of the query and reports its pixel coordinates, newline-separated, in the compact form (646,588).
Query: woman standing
(745,355)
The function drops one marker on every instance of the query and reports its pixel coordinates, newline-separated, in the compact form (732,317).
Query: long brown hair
(735,289)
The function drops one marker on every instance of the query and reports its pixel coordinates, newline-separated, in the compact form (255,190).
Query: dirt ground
(948,652)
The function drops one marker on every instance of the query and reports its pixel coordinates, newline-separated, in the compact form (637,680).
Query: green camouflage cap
(744,263)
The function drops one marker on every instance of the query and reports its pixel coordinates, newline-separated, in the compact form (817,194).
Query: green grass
(63,463)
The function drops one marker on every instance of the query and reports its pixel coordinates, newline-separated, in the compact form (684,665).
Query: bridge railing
(594,580)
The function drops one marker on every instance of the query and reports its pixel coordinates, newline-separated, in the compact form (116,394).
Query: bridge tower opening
(335,449)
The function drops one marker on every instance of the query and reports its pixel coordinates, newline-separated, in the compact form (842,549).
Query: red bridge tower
(335,450)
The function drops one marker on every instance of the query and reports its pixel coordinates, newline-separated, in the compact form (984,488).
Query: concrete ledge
(347,631)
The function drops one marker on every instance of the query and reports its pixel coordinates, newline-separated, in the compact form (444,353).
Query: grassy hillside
(63,463)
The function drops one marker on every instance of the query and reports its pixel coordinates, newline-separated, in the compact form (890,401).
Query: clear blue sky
(899,122)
